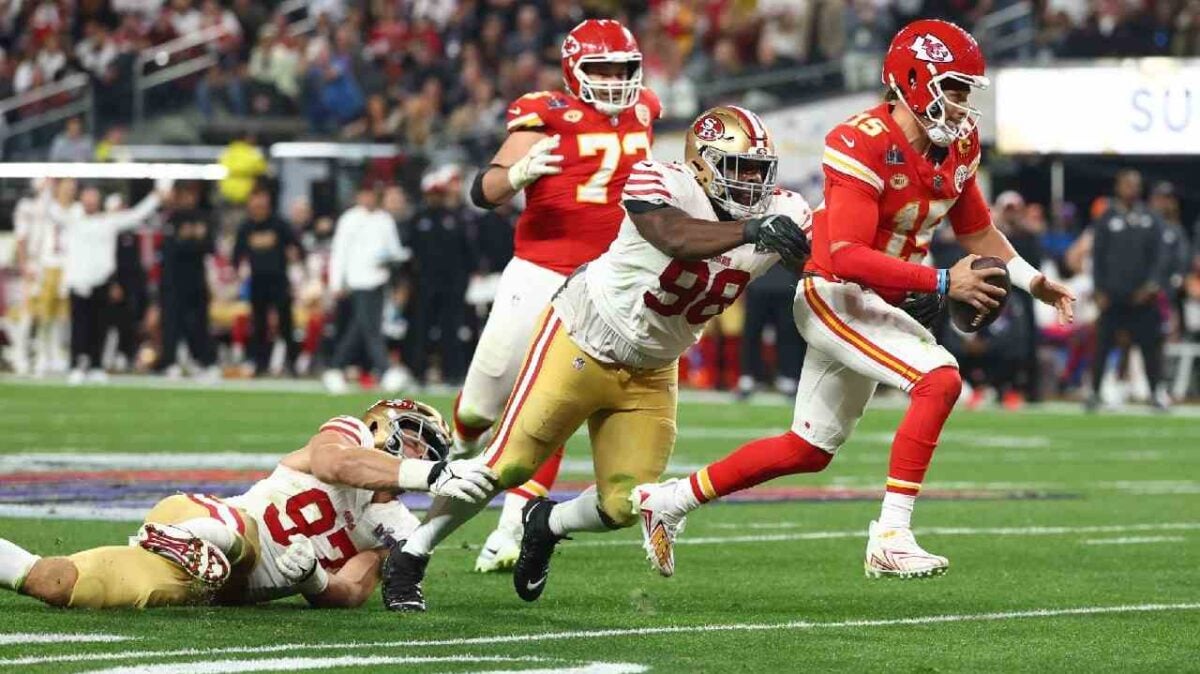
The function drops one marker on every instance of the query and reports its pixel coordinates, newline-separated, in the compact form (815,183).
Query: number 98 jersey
(660,305)
(571,217)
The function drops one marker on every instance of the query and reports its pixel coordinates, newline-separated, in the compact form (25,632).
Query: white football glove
(536,163)
(300,567)
(466,480)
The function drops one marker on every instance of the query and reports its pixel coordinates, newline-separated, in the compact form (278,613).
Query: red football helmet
(923,55)
(602,41)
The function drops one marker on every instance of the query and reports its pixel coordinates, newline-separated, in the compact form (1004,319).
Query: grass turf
(1123,533)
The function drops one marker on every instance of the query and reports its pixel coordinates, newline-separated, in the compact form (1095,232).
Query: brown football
(964,316)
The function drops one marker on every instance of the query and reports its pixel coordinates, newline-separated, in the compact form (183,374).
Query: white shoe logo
(847,141)
(530,585)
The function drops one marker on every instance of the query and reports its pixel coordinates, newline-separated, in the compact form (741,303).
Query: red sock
(464,431)
(756,462)
(932,399)
(543,479)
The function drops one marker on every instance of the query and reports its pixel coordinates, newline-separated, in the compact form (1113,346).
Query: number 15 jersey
(657,304)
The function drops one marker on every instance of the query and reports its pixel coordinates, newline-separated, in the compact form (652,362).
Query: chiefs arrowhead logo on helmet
(570,46)
(708,128)
(929,48)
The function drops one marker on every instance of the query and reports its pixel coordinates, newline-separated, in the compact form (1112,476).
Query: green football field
(1074,545)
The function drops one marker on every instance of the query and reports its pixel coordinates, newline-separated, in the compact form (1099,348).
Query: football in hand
(969,319)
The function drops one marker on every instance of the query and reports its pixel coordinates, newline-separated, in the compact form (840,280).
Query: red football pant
(543,479)
(931,401)
(756,462)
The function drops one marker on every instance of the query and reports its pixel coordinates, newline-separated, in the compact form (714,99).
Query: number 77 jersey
(659,304)
(571,217)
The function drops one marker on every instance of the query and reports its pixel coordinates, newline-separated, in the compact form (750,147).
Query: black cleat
(402,575)
(537,545)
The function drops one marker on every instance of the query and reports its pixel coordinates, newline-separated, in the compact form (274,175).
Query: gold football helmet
(733,158)
(409,426)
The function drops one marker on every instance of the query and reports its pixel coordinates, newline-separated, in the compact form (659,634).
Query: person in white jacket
(90,238)
(365,244)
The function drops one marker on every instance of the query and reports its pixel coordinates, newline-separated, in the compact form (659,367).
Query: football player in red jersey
(892,173)
(571,152)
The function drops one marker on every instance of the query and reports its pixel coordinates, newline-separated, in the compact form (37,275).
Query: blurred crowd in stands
(244,281)
(426,71)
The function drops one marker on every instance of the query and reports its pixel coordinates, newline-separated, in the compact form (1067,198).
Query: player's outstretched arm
(990,241)
(682,237)
(524,157)
(330,458)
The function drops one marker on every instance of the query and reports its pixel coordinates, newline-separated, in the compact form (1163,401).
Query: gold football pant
(630,415)
(131,577)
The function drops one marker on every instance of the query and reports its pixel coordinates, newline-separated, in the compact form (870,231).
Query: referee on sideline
(1129,267)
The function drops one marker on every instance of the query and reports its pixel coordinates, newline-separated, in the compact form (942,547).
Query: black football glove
(927,308)
(777,234)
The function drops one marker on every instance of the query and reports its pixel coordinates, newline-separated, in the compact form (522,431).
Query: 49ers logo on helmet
(929,48)
(708,129)
(570,46)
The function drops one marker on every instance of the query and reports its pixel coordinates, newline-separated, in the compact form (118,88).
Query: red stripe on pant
(545,476)
(526,381)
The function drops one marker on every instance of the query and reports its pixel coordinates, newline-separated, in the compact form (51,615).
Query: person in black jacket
(127,294)
(268,244)
(1026,238)
(1129,267)
(187,242)
(769,302)
(443,258)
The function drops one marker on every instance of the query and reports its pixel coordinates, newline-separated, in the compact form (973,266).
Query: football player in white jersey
(694,235)
(318,525)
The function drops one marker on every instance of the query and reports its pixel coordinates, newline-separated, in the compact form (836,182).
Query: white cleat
(200,559)
(500,551)
(894,553)
(77,377)
(395,380)
(660,528)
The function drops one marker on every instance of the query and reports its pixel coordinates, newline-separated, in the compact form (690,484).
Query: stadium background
(314,99)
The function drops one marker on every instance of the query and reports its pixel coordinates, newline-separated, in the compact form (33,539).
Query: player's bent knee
(52,580)
(616,509)
(512,475)
(944,383)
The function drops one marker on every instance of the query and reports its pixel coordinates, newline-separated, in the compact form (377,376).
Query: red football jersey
(570,218)
(868,152)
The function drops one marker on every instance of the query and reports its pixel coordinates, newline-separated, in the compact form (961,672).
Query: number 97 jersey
(571,217)
(659,304)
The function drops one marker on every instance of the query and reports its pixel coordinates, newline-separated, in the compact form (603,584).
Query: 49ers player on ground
(571,152)
(892,173)
(327,506)
(607,349)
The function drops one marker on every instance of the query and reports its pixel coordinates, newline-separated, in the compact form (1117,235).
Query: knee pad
(943,383)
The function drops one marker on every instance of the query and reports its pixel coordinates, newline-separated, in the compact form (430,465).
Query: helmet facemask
(413,435)
(936,118)
(742,183)
(610,97)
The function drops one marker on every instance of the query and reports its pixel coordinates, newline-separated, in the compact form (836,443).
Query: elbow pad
(477,196)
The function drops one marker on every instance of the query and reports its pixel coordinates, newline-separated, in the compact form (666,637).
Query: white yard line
(19,638)
(1132,540)
(928,531)
(292,664)
(605,634)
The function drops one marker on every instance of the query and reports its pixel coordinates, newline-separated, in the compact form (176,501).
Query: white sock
(15,563)
(896,512)
(684,498)
(581,513)
(510,514)
(212,531)
(444,517)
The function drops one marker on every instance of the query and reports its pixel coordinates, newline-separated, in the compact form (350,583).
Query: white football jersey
(660,304)
(335,518)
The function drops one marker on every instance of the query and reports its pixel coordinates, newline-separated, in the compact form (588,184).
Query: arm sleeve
(525,113)
(970,214)
(135,216)
(852,217)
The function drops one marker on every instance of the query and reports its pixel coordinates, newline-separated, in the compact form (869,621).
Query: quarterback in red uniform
(571,152)
(892,173)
